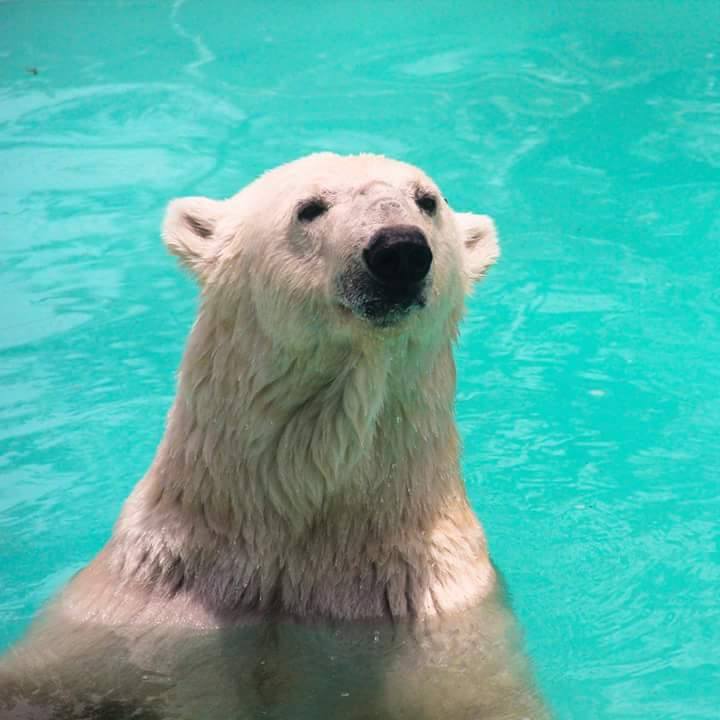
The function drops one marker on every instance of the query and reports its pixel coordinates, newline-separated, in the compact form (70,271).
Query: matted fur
(310,461)
(309,470)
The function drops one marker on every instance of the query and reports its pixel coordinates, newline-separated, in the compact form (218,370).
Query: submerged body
(466,666)
(302,545)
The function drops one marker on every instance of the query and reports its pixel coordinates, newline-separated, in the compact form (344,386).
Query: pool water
(589,381)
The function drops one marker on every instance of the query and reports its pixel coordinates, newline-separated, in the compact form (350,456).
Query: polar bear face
(334,245)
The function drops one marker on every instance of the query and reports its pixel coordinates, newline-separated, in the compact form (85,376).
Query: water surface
(589,379)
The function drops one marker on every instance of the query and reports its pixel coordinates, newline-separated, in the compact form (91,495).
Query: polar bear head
(340,246)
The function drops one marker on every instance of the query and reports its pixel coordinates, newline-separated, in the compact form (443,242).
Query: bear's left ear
(189,232)
(480,243)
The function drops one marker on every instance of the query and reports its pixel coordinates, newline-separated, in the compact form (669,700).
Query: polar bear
(302,545)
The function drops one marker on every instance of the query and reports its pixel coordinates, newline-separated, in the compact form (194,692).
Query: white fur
(305,443)
(309,470)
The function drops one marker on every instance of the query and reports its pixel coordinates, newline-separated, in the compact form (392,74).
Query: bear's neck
(324,483)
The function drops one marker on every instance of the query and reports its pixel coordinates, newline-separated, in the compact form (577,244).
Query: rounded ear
(480,243)
(189,232)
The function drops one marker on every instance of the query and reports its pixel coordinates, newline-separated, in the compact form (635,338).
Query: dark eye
(427,203)
(311,209)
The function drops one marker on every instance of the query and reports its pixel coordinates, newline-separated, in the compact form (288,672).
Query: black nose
(398,256)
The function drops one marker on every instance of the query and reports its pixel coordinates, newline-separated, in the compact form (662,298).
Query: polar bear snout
(398,256)
(390,277)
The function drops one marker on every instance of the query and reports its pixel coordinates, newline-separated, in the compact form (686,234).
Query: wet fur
(307,491)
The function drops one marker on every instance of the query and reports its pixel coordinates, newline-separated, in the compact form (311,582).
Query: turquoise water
(589,380)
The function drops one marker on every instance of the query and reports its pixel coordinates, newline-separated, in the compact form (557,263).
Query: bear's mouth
(375,302)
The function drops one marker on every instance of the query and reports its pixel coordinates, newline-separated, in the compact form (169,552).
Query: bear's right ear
(189,232)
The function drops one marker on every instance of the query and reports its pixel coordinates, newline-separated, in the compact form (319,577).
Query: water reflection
(465,666)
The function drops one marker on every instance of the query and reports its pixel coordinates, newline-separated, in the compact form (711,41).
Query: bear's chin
(380,306)
(380,315)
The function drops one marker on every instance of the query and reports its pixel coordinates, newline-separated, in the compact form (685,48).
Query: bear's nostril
(398,256)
